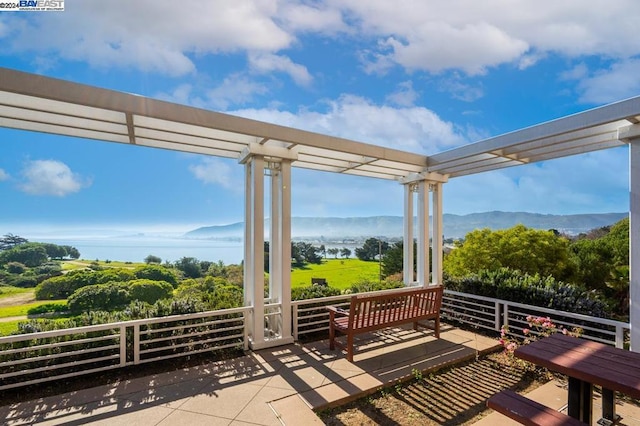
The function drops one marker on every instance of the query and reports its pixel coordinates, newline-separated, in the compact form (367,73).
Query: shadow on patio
(266,387)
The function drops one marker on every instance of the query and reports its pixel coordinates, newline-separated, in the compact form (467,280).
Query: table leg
(609,416)
(580,404)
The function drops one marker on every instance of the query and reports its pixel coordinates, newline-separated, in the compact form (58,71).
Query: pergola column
(270,323)
(422,184)
(634,243)
(423,234)
(407,246)
(437,233)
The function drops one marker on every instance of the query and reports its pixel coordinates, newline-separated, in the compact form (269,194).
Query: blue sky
(422,76)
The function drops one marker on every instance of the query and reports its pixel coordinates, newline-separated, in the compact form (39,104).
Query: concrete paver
(270,387)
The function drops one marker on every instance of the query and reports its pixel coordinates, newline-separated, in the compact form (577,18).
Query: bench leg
(332,337)
(436,323)
(350,347)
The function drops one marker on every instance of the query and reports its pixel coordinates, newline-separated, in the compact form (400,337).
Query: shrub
(149,291)
(364,286)
(107,297)
(15,267)
(313,292)
(157,273)
(48,308)
(533,290)
(24,281)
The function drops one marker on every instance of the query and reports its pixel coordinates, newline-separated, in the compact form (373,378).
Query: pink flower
(525,331)
(511,347)
(564,331)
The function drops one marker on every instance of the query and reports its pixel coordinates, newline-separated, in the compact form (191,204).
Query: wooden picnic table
(587,363)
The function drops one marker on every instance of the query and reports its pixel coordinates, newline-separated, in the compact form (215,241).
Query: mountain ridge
(455,226)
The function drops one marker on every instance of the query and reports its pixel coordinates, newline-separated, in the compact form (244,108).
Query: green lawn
(339,273)
(19,310)
(69,265)
(8,327)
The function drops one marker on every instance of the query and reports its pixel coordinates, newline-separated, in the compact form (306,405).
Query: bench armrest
(337,311)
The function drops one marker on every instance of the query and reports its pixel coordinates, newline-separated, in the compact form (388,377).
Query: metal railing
(27,359)
(41,357)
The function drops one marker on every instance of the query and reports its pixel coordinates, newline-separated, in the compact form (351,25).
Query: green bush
(15,267)
(149,291)
(48,308)
(156,273)
(528,289)
(364,286)
(105,297)
(313,292)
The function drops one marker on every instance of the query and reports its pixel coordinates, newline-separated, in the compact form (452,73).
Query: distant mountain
(455,226)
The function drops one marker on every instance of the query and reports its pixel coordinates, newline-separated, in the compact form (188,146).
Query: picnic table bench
(373,312)
(528,412)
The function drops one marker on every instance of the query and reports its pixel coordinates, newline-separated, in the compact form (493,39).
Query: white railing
(41,357)
(476,311)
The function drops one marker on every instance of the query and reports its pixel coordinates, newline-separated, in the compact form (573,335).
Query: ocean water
(135,249)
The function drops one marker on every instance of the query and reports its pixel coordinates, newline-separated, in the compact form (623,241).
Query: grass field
(69,265)
(339,273)
(20,310)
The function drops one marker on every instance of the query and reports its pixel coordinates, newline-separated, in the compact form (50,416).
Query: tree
(9,241)
(190,267)
(333,251)
(72,252)
(29,254)
(519,248)
(345,252)
(372,249)
(393,259)
(152,259)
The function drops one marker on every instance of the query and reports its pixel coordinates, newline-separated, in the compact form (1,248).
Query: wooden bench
(528,412)
(367,313)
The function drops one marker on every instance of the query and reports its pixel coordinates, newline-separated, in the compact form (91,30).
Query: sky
(417,75)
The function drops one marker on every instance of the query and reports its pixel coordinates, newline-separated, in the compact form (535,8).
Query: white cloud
(50,177)
(266,62)
(150,35)
(415,129)
(620,81)
(405,95)
(216,171)
(461,91)
(3,175)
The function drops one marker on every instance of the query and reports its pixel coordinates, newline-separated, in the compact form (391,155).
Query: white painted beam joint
(267,151)
(428,176)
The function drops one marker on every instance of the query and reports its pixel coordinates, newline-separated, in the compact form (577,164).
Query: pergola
(42,104)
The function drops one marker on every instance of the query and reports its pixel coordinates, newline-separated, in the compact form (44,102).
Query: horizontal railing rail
(33,358)
(45,356)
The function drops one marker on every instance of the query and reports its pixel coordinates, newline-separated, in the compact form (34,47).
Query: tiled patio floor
(269,387)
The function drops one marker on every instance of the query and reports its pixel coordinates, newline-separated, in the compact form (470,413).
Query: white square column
(634,243)
(254,248)
(280,251)
(437,235)
(407,245)
(423,234)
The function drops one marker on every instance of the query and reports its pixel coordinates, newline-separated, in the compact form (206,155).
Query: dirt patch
(17,299)
(455,396)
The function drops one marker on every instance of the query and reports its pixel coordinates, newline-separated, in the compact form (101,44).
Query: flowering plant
(537,327)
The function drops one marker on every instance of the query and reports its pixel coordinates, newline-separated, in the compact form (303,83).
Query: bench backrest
(367,311)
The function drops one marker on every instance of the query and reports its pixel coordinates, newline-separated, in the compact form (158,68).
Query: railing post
(497,307)
(294,317)
(136,344)
(505,315)
(123,345)
(619,337)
